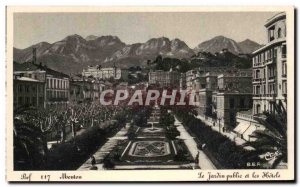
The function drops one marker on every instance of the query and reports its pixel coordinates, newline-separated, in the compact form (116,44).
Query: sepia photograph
(150,94)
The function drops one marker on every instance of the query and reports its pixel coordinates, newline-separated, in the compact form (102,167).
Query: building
(210,79)
(105,73)
(165,79)
(182,82)
(189,76)
(270,67)
(234,94)
(85,89)
(240,81)
(29,89)
(269,77)
(228,104)
(56,90)
(200,73)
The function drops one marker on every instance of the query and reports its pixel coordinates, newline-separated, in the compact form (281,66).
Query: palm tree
(273,138)
(30,147)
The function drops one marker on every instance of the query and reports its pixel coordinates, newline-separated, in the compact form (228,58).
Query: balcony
(258,64)
(271,78)
(270,61)
(283,56)
(256,95)
(258,80)
(284,75)
(245,116)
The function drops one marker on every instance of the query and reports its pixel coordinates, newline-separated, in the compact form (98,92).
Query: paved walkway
(204,161)
(232,136)
(105,149)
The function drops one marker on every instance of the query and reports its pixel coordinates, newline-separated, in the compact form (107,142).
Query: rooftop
(275,18)
(28,66)
(27,79)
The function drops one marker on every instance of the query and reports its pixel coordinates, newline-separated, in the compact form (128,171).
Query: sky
(134,27)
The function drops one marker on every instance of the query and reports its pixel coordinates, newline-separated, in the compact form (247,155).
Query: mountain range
(73,53)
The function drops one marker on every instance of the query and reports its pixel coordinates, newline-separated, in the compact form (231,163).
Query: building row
(105,73)
(39,86)
(269,81)
(234,98)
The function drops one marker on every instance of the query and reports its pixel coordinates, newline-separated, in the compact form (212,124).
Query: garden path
(204,161)
(105,149)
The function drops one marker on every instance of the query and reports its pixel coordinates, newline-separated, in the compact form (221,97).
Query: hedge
(226,152)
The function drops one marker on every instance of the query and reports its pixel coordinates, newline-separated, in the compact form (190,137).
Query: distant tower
(34,55)
(115,70)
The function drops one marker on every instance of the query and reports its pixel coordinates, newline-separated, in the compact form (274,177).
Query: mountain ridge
(73,53)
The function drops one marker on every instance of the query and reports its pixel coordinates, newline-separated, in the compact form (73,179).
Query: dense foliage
(273,138)
(32,128)
(226,152)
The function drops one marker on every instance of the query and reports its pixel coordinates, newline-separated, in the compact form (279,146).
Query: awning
(245,129)
(249,132)
(241,128)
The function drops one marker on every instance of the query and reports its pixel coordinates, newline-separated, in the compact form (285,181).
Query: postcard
(150,94)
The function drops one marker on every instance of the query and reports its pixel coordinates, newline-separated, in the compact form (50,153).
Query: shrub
(180,156)
(226,152)
(172,133)
(108,163)
(131,136)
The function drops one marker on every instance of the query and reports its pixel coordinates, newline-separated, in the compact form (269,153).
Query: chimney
(34,55)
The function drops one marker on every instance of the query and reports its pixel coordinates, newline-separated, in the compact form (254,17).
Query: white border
(157,175)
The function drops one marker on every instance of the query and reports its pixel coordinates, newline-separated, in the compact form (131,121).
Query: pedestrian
(93,160)
(197,158)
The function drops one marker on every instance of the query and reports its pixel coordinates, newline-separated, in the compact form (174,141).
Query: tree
(30,146)
(108,163)
(273,138)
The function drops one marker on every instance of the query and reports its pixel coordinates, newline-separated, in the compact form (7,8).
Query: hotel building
(270,67)
(165,79)
(105,73)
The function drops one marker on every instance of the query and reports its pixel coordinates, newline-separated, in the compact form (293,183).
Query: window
(41,88)
(27,101)
(284,69)
(258,90)
(271,33)
(48,94)
(20,88)
(48,83)
(41,100)
(20,100)
(257,74)
(284,88)
(283,52)
(33,101)
(27,88)
(279,33)
(231,102)
(271,53)
(242,103)
(258,109)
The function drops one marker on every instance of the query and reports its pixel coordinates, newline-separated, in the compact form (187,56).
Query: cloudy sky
(193,28)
